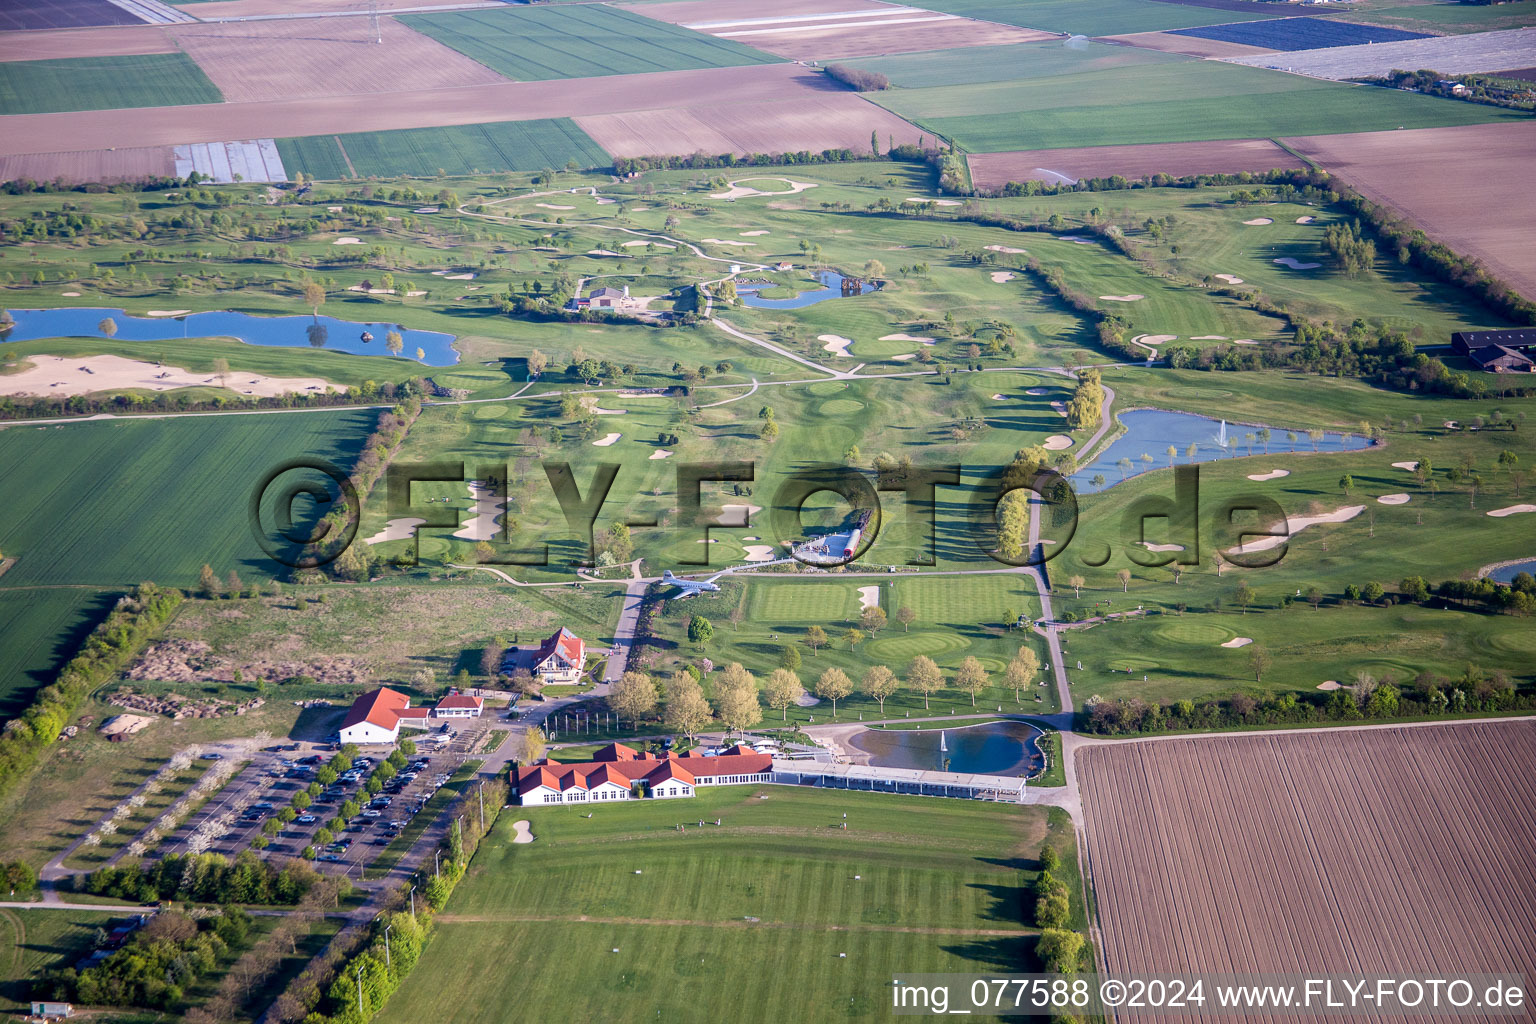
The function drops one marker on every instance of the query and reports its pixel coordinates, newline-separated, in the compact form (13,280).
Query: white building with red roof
(459,705)
(619,772)
(375,717)
(561,659)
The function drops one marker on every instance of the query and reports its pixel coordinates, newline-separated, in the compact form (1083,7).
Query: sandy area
(740,190)
(1330,685)
(486,508)
(1409,466)
(835,344)
(752,234)
(994,170)
(1076,239)
(348,240)
(603,252)
(520,832)
(589,403)
(1295,264)
(724,241)
(1121,298)
(395,529)
(906,337)
(1007,248)
(1394,499)
(606,440)
(70,295)
(737,514)
(1161,547)
(1209,337)
(904,357)
(1001,276)
(553,206)
(1511,510)
(638,243)
(935,202)
(1229,278)
(1258,221)
(1244,341)
(1303,220)
(1300,523)
(83,375)
(167,312)
(1059,408)
(869,597)
(1239,641)
(759,552)
(999,398)
(805,700)
(1273,474)
(124,725)
(661,453)
(1037,392)
(1056,443)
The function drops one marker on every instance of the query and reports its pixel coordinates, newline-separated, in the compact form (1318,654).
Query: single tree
(687,710)
(834,685)
(873,619)
(633,694)
(531,747)
(923,675)
(790,658)
(906,616)
(1243,595)
(107,326)
(854,636)
(783,689)
(972,678)
(880,682)
(1124,576)
(700,631)
(1076,583)
(736,699)
(1259,661)
(815,638)
(394,342)
(1314,597)
(314,298)
(1021,670)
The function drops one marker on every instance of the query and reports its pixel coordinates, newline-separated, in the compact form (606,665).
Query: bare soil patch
(108,41)
(84,375)
(813,121)
(305,57)
(1194,46)
(1228,156)
(131,163)
(1296,852)
(1406,170)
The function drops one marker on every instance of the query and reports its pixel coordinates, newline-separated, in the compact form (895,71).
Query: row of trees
(203,878)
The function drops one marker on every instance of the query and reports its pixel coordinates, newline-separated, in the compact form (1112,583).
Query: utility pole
(386,944)
(437,869)
(480,792)
(360,989)
(413,903)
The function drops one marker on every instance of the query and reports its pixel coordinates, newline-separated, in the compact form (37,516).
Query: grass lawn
(461,149)
(33,941)
(1185,101)
(103,83)
(579,41)
(1055,771)
(1101,18)
(696,914)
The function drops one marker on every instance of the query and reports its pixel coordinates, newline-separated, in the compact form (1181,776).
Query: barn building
(1498,351)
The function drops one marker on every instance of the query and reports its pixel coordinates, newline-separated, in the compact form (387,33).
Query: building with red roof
(619,772)
(374,717)
(561,659)
(459,705)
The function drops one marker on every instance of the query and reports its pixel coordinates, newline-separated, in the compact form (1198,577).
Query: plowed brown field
(1358,852)
(108,41)
(1227,156)
(133,163)
(1452,182)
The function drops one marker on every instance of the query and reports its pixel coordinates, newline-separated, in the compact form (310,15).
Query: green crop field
(621,909)
(970,65)
(42,630)
(461,149)
(579,41)
(103,83)
(1100,18)
(1187,101)
(1441,18)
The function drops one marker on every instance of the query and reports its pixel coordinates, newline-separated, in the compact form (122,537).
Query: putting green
(1198,634)
(834,407)
(1197,394)
(434,547)
(490,412)
(1515,641)
(827,387)
(1133,665)
(906,646)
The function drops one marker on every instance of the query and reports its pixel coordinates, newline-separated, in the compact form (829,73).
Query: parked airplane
(688,588)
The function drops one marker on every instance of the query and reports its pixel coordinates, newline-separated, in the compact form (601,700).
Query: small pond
(287,331)
(832,287)
(1151,431)
(1507,573)
(996,748)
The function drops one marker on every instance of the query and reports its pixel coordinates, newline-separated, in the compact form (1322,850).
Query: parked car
(372,813)
(331,857)
(213,756)
(306,819)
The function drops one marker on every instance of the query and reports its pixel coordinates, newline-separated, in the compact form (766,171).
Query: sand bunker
(1229,278)
(1001,276)
(1079,239)
(520,832)
(640,242)
(1257,221)
(1394,499)
(1512,510)
(1274,474)
(1300,523)
(1056,442)
(1162,547)
(1239,641)
(935,202)
(1332,684)
(459,277)
(603,252)
(395,529)
(486,508)
(552,206)
(752,234)
(759,552)
(805,700)
(168,312)
(836,344)
(83,375)
(1008,249)
(904,357)
(348,241)
(1409,466)
(1059,408)
(747,512)
(869,597)
(724,241)
(1122,298)
(1303,220)
(1245,341)
(1209,337)
(740,190)
(906,337)
(661,454)
(1295,264)
(124,725)
(604,442)
(70,295)
(999,398)
(1037,391)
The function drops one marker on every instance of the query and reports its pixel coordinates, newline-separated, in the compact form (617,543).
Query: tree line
(202,878)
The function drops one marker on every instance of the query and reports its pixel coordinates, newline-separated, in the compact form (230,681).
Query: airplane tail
(667,577)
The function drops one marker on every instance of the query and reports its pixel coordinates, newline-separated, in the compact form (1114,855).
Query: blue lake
(1507,573)
(831,288)
(1151,431)
(997,748)
(282,331)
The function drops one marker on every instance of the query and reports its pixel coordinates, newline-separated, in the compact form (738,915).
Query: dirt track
(509,101)
(1452,182)
(1230,156)
(1333,853)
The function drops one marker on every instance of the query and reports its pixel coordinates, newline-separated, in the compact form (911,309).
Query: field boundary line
(683,923)
(344,157)
(1298,154)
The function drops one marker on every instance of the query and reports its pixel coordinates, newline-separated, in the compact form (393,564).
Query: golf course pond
(284,331)
(832,287)
(993,748)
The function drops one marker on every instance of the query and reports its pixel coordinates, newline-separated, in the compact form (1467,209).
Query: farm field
(578,41)
(64,14)
(43,629)
(32,941)
(100,83)
(1177,102)
(1253,854)
(99,165)
(1190,46)
(1391,168)
(426,152)
(113,41)
(1013,62)
(813,122)
(834,29)
(1222,156)
(258,61)
(1451,55)
(1299,33)
(936,882)
(1440,16)
(1102,18)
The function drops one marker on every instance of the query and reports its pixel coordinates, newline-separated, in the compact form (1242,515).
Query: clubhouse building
(379,715)
(619,772)
(561,659)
